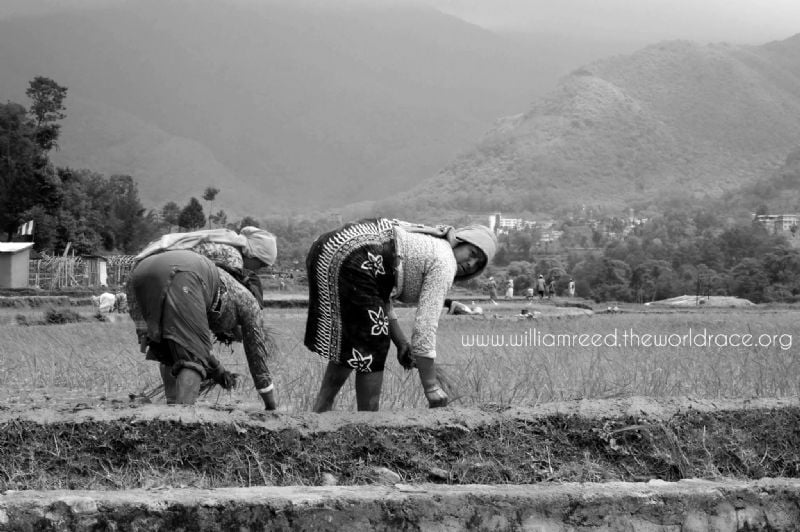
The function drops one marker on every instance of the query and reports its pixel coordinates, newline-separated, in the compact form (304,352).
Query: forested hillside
(675,117)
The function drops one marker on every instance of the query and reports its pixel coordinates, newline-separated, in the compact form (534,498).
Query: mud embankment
(690,505)
(626,464)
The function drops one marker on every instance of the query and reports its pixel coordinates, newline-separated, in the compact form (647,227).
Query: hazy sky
(636,21)
(735,21)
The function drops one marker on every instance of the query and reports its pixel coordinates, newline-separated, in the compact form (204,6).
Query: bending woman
(182,298)
(355,271)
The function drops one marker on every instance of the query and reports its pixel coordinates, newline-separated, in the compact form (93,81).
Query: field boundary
(767,504)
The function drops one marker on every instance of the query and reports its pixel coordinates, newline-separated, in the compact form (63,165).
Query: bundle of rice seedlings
(157,392)
(447,382)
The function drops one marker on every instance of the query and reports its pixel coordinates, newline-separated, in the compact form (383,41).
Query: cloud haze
(736,21)
(633,21)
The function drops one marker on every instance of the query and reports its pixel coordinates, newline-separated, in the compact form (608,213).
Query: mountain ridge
(674,116)
(309,107)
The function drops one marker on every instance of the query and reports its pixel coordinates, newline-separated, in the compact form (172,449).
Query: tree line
(680,252)
(91,212)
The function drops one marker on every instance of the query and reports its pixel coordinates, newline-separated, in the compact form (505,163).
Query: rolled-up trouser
(176,357)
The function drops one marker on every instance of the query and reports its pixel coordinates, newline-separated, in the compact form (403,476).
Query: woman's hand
(404,355)
(223,377)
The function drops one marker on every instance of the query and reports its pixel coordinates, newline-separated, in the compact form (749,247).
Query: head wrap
(478,235)
(482,238)
(259,244)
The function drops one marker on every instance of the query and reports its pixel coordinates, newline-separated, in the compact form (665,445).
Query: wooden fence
(51,272)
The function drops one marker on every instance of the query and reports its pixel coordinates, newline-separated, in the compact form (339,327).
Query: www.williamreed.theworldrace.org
(534,337)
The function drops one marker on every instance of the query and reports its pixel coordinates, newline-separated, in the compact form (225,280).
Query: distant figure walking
(492,286)
(529,293)
(509,289)
(571,288)
(551,289)
(121,303)
(540,286)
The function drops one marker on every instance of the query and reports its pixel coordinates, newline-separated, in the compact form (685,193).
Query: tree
(653,279)
(18,164)
(170,213)
(219,219)
(48,107)
(26,176)
(209,194)
(191,216)
(127,214)
(749,280)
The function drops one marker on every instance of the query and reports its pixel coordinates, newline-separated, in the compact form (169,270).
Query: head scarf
(482,238)
(478,235)
(259,244)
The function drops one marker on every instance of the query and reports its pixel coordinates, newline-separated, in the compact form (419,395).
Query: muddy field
(64,440)
(130,445)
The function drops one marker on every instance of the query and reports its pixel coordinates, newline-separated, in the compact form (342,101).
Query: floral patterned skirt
(350,277)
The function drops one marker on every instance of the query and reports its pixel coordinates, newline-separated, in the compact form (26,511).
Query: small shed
(14,258)
(96,270)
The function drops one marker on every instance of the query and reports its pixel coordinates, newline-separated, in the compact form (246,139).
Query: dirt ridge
(190,446)
(689,505)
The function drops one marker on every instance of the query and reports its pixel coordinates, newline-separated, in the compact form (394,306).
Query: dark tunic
(175,291)
(183,297)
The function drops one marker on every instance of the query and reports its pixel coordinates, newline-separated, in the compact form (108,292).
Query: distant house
(14,258)
(96,270)
(778,223)
(501,225)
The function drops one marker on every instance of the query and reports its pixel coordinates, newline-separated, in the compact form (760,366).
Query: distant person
(121,302)
(509,289)
(571,288)
(540,286)
(104,302)
(526,314)
(551,288)
(354,273)
(529,293)
(492,286)
(458,308)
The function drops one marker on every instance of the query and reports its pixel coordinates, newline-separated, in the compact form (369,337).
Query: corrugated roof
(13,247)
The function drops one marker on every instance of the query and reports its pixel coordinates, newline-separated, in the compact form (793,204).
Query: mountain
(281,105)
(674,117)
(777,193)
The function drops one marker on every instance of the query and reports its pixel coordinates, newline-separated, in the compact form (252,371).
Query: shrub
(55,316)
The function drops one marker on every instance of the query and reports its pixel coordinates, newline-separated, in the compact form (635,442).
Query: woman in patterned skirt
(355,272)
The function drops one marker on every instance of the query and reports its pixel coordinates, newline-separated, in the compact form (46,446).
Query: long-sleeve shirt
(425,271)
(240,311)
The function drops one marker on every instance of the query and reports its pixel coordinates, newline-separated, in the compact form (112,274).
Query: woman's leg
(333,380)
(368,390)
(170,383)
(187,386)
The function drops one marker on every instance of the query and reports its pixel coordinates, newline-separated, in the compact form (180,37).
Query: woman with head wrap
(187,286)
(355,272)
(239,254)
